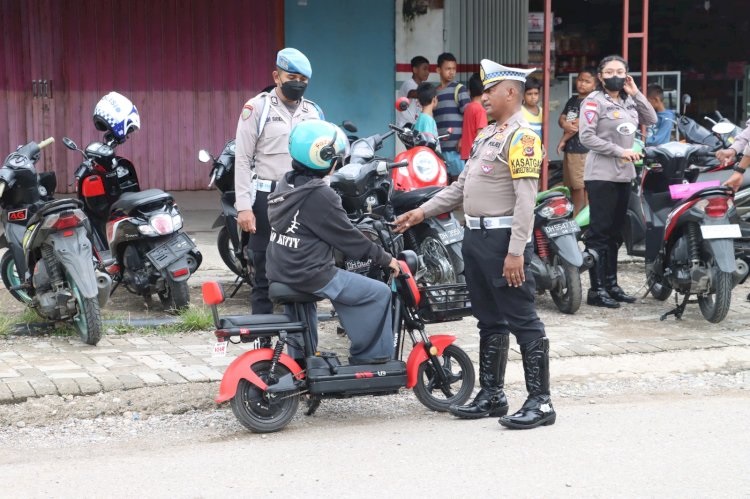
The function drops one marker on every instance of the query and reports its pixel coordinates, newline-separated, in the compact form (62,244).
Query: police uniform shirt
(742,140)
(270,151)
(500,179)
(607,128)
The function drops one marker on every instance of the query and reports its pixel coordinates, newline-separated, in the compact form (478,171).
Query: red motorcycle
(426,166)
(264,385)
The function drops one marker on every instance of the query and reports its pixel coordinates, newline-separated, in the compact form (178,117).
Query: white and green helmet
(318,144)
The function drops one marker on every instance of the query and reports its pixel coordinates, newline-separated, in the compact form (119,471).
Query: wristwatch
(738,169)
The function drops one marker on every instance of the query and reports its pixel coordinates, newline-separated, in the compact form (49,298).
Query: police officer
(262,156)
(497,189)
(609,119)
(741,141)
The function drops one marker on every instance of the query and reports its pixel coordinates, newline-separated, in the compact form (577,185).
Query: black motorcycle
(138,237)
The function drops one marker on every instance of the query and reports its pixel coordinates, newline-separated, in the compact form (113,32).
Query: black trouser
(608,207)
(499,308)
(258,244)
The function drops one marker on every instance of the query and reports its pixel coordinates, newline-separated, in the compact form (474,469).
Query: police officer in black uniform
(498,191)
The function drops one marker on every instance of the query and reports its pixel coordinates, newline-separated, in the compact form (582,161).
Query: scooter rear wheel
(715,307)
(177,295)
(11,278)
(568,298)
(257,410)
(88,320)
(459,372)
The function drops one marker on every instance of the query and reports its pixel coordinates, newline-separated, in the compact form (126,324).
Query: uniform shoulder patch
(525,154)
(247,111)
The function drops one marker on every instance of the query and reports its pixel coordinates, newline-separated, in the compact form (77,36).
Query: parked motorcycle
(49,265)
(264,385)
(137,235)
(365,189)
(689,234)
(231,241)
(557,259)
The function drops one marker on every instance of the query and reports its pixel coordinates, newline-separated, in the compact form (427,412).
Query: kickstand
(237,285)
(312,405)
(678,310)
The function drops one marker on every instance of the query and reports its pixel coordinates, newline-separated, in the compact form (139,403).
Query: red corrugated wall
(188,65)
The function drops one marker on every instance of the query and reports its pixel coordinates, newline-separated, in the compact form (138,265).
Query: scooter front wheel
(226,252)
(438,394)
(260,411)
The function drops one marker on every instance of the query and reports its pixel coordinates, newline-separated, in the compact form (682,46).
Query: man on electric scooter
(308,223)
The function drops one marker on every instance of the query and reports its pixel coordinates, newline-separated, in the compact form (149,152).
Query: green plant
(196,319)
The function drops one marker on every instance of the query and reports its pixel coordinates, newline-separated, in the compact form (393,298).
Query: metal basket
(445,302)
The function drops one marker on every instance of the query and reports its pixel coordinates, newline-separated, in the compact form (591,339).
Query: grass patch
(194,319)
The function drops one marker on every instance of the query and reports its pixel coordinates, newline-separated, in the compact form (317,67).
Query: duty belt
(477,223)
(265,185)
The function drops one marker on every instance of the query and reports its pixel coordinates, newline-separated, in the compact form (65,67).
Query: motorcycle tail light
(64,220)
(714,207)
(160,224)
(556,208)
(443,216)
(180,272)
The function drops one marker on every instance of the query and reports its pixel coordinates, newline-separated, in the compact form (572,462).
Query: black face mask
(614,83)
(293,89)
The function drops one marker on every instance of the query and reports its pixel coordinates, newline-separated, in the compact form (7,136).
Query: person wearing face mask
(609,119)
(262,157)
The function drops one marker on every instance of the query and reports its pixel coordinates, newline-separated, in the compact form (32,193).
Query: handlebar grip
(46,142)
(399,164)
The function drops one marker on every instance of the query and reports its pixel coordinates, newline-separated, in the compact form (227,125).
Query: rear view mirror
(723,128)
(402,104)
(203,156)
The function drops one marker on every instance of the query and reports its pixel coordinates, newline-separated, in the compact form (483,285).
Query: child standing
(532,111)
(475,116)
(427,97)
(574,158)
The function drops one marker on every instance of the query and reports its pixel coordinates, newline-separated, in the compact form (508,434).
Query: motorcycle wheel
(460,373)
(226,252)
(11,278)
(567,299)
(253,407)
(88,320)
(658,289)
(715,306)
(177,295)
(438,264)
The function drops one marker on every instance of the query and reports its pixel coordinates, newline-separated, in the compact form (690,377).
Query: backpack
(458,88)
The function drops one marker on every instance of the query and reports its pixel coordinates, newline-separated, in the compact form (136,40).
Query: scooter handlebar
(46,142)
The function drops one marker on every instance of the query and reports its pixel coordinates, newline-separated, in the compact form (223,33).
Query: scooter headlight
(559,207)
(161,224)
(425,166)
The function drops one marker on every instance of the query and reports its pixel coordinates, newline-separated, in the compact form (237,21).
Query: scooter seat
(549,194)
(130,200)
(722,176)
(249,321)
(281,293)
(405,201)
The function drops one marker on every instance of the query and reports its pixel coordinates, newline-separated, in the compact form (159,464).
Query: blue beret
(293,61)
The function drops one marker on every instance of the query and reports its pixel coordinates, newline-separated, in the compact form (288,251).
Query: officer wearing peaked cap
(262,156)
(498,191)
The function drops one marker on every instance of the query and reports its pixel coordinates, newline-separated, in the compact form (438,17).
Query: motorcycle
(364,189)
(557,260)
(49,265)
(231,241)
(263,386)
(137,235)
(689,234)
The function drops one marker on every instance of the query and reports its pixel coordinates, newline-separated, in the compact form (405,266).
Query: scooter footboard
(241,368)
(419,354)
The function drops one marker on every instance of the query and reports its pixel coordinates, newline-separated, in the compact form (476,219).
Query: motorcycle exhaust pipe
(104,287)
(739,275)
(589,259)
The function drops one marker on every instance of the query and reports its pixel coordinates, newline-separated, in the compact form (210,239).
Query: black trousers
(258,244)
(499,308)
(608,206)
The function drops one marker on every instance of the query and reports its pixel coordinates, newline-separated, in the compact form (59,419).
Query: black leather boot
(537,410)
(490,401)
(598,296)
(610,280)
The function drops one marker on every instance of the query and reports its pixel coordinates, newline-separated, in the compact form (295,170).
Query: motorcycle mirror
(402,104)
(70,144)
(203,156)
(349,126)
(722,128)
(686,99)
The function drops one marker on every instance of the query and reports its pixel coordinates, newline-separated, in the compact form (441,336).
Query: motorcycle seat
(405,201)
(251,321)
(281,293)
(722,176)
(549,194)
(130,200)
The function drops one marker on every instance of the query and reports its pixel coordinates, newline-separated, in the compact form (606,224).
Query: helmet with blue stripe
(114,113)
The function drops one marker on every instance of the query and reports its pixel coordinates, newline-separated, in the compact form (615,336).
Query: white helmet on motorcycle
(114,113)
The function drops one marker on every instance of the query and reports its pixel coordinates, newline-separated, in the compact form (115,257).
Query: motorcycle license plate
(451,236)
(561,228)
(171,251)
(728,231)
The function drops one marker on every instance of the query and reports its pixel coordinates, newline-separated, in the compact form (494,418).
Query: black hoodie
(307,223)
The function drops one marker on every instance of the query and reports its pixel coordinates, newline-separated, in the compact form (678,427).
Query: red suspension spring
(542,244)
